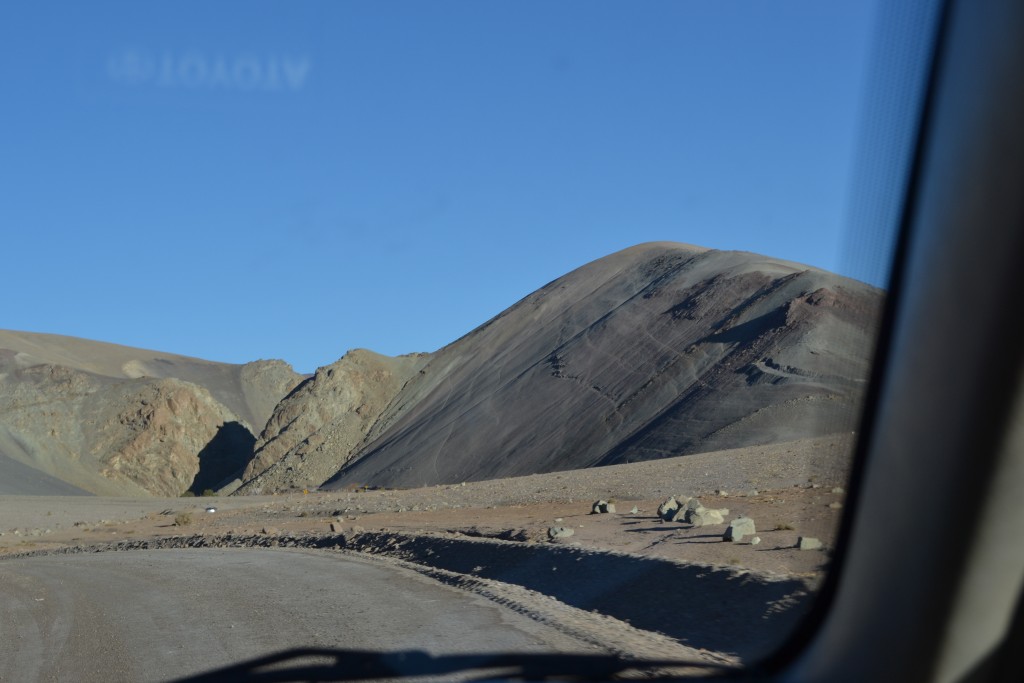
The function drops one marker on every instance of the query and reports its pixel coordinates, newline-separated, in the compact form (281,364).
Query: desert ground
(624,582)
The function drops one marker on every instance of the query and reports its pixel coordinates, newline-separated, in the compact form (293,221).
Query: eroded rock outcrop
(168,437)
(113,420)
(316,429)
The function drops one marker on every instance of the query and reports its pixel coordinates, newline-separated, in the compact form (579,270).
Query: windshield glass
(548,326)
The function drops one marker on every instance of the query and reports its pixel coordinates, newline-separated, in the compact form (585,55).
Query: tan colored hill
(77,415)
(659,350)
(316,429)
(250,391)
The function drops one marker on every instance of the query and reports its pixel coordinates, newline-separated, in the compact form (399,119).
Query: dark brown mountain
(659,350)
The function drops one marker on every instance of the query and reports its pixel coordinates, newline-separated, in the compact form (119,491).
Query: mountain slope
(112,420)
(659,350)
(250,391)
(315,430)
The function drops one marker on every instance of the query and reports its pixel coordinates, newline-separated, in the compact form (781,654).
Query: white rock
(667,510)
(560,532)
(808,543)
(738,528)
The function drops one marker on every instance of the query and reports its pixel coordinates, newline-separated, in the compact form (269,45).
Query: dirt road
(156,615)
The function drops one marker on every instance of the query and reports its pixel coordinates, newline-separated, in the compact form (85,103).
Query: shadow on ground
(719,609)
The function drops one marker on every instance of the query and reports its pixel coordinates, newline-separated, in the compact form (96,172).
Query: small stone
(838,489)
(836,505)
(356,529)
(559,532)
(602,507)
(753,492)
(335,527)
(723,493)
(634,510)
(558,519)
(271,531)
(755,540)
(808,543)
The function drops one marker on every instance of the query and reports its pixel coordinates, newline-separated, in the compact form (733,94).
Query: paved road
(155,615)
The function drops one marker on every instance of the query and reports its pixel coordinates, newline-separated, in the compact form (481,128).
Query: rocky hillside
(315,431)
(659,350)
(82,416)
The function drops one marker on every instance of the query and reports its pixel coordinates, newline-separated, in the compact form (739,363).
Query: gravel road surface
(160,614)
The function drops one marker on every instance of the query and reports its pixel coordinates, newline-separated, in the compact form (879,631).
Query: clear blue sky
(293,179)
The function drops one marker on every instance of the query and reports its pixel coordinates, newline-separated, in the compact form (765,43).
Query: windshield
(455,327)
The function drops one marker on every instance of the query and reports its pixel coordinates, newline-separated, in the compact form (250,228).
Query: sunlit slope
(658,350)
(19,479)
(323,423)
(112,420)
(250,391)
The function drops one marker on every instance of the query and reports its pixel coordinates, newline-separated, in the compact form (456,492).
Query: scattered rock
(836,505)
(706,516)
(753,492)
(602,507)
(559,532)
(271,531)
(838,489)
(755,540)
(667,511)
(634,510)
(808,543)
(738,528)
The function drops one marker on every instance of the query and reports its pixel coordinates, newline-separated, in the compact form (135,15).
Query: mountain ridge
(657,350)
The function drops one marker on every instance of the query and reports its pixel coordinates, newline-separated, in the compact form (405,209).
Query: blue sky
(290,180)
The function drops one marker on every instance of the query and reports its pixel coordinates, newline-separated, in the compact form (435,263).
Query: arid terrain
(656,351)
(632,569)
(646,457)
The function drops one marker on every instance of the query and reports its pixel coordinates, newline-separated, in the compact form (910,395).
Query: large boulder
(738,528)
